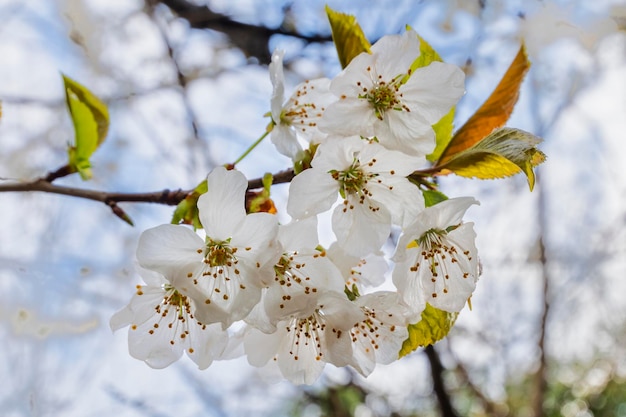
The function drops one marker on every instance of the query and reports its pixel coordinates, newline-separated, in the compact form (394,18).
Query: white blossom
(224,273)
(304,342)
(163,325)
(379,337)
(366,271)
(376,99)
(301,273)
(436,258)
(373,187)
(299,115)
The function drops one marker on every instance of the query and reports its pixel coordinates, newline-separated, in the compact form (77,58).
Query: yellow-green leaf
(348,36)
(434,325)
(260,201)
(186,211)
(493,113)
(432,197)
(443,134)
(90,117)
(503,153)
(426,56)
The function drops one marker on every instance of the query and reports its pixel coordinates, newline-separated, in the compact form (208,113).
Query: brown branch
(490,407)
(436,371)
(541,377)
(111,199)
(166,197)
(278,178)
(251,39)
(65,170)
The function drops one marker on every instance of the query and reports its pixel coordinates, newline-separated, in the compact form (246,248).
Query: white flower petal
(436,258)
(460,277)
(207,343)
(261,347)
(299,234)
(167,247)
(157,351)
(410,287)
(299,358)
(359,229)
(303,277)
(285,139)
(306,106)
(433,90)
(258,317)
(396,53)
(311,192)
(403,199)
(121,319)
(354,77)
(222,207)
(368,271)
(406,132)
(278,84)
(378,338)
(451,211)
(349,116)
(163,326)
(255,241)
(376,158)
(224,293)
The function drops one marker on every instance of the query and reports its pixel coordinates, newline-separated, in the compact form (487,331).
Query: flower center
(368,331)
(352,180)
(218,253)
(383,95)
(288,273)
(443,257)
(306,334)
(176,326)
(299,112)
(431,239)
(382,98)
(219,277)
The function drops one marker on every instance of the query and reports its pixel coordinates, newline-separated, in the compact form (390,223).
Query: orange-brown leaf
(494,112)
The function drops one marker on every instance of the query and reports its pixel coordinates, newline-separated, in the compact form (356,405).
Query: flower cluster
(303,305)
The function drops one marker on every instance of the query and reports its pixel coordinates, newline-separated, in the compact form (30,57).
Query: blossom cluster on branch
(246,284)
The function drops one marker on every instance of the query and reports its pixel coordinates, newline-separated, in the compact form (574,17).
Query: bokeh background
(187,86)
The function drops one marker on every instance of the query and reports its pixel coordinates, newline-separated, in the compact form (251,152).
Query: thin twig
(436,371)
(180,77)
(489,407)
(541,377)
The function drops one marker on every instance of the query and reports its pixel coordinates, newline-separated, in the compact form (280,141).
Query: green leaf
(432,197)
(443,134)
(187,210)
(434,325)
(502,153)
(348,36)
(90,117)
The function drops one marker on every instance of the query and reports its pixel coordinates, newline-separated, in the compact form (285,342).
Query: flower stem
(254,145)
